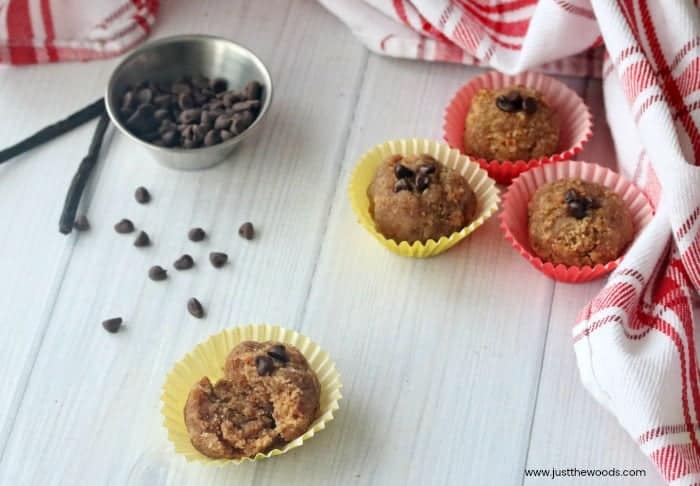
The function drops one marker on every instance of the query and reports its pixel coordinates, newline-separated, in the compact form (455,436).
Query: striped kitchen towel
(636,342)
(33,31)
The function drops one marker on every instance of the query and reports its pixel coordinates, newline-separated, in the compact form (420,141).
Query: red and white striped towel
(33,31)
(636,342)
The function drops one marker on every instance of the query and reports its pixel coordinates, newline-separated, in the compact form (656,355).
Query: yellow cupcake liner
(207,359)
(483,186)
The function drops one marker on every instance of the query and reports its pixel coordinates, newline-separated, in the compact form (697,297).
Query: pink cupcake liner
(574,116)
(514,217)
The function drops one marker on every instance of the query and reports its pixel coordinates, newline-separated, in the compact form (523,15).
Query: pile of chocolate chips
(265,364)
(418,181)
(577,205)
(190,112)
(513,102)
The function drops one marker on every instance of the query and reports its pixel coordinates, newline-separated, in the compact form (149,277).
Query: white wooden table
(456,370)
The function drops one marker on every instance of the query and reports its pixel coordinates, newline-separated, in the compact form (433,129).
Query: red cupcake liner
(514,217)
(575,120)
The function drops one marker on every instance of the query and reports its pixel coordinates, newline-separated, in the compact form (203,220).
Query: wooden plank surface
(457,370)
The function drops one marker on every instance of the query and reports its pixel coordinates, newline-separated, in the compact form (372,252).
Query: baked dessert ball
(578,223)
(417,199)
(513,123)
(268,397)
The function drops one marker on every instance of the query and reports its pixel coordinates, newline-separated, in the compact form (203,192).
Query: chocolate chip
(402,185)
(222,121)
(225,135)
(278,352)
(124,226)
(190,116)
(161,114)
(196,234)
(264,365)
(181,87)
(241,121)
(232,97)
(576,209)
(219,85)
(185,262)
(247,231)
(571,195)
(169,138)
(195,308)
(185,101)
(142,195)
(427,169)
(504,104)
(163,100)
(245,106)
(157,273)
(592,203)
(422,182)
(142,240)
(212,138)
(144,96)
(82,223)
(514,97)
(218,259)
(529,105)
(253,90)
(128,100)
(402,172)
(112,325)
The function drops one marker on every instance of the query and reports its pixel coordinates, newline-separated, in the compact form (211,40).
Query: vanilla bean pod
(81,177)
(50,132)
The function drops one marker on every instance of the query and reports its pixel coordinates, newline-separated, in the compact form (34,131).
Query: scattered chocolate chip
(264,365)
(402,172)
(157,273)
(529,105)
(196,234)
(195,308)
(402,185)
(422,182)
(576,209)
(82,223)
(124,226)
(142,240)
(247,230)
(185,262)
(112,325)
(142,195)
(278,352)
(218,259)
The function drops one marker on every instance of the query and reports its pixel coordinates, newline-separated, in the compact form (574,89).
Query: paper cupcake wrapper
(207,359)
(575,120)
(483,186)
(514,217)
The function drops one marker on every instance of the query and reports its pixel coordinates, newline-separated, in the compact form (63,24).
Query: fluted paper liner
(483,186)
(207,359)
(575,119)
(514,217)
